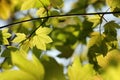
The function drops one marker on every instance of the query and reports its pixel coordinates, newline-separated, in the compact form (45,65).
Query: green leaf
(32,67)
(80,72)
(26,45)
(43,30)
(20,37)
(41,38)
(95,20)
(4,35)
(110,31)
(53,70)
(111,59)
(112,73)
(113,3)
(7,64)
(114,6)
(28,69)
(28,4)
(57,3)
(7,52)
(96,39)
(5,9)
(40,41)
(16,75)
(112,24)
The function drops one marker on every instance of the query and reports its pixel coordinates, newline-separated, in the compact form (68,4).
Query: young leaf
(7,52)
(20,37)
(28,69)
(114,6)
(111,59)
(113,3)
(5,9)
(57,3)
(28,4)
(16,75)
(112,24)
(112,73)
(3,36)
(79,72)
(54,71)
(110,30)
(32,67)
(95,20)
(41,38)
(26,45)
(43,30)
(96,38)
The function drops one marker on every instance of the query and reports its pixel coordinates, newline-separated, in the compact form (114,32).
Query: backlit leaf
(26,45)
(111,59)
(5,9)
(114,6)
(95,39)
(54,71)
(20,37)
(4,35)
(28,68)
(7,52)
(111,73)
(57,3)
(41,38)
(80,72)
(43,30)
(16,75)
(28,4)
(33,66)
(113,3)
(95,20)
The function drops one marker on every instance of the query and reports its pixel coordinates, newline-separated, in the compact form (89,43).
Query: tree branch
(65,15)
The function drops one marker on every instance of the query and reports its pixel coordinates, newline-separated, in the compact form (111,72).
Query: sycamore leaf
(53,70)
(28,69)
(15,75)
(113,3)
(96,38)
(111,58)
(20,37)
(28,4)
(6,65)
(112,73)
(41,12)
(5,9)
(79,72)
(57,3)
(4,35)
(112,24)
(114,6)
(7,52)
(110,29)
(43,30)
(95,20)
(41,38)
(33,67)
(26,45)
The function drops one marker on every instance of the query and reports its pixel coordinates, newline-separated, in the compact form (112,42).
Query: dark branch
(66,15)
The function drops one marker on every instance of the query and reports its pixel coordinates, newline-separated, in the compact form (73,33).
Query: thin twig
(65,15)
(45,20)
